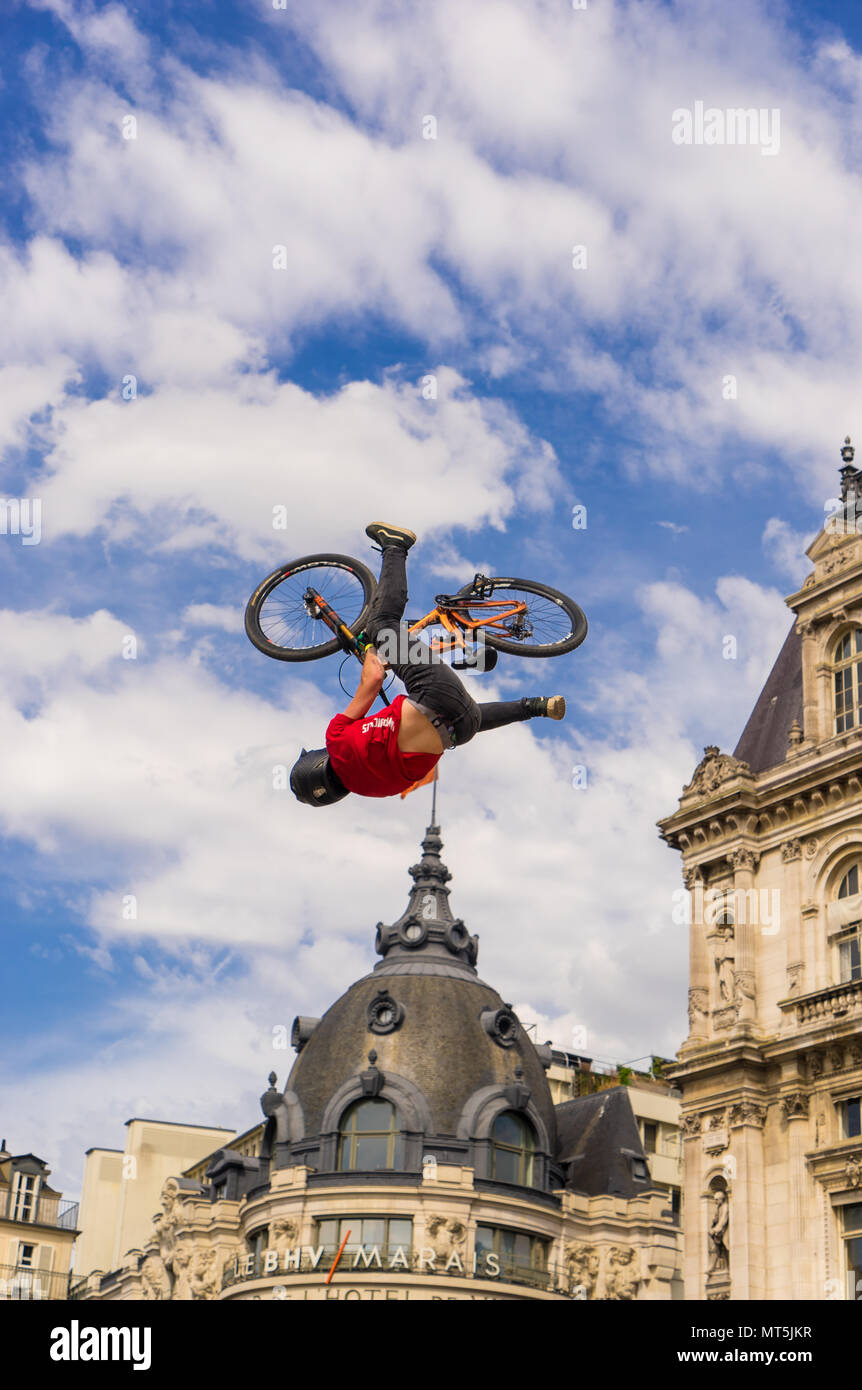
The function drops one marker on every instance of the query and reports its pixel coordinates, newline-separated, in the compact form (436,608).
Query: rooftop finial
(427,928)
(849,474)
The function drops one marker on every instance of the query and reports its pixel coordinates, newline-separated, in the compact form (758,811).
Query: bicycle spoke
(285,619)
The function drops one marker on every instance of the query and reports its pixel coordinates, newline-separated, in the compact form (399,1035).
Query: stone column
(795,1109)
(744,862)
(816,690)
(695,1239)
(698,956)
(748,1254)
(790,905)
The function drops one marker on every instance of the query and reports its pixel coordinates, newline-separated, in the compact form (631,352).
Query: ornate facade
(416,1152)
(771,1071)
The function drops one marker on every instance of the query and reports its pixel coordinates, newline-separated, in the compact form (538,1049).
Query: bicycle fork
(350,641)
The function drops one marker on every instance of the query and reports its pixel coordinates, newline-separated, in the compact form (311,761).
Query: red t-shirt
(365,753)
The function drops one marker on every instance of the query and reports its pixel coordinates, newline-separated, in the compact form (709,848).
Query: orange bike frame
(455,624)
(448,618)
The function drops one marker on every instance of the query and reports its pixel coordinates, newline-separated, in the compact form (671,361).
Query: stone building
(37,1230)
(417,1150)
(122,1187)
(771,1071)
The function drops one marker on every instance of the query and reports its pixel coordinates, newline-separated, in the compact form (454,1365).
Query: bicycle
(286,613)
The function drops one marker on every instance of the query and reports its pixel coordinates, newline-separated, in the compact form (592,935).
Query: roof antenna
(434,797)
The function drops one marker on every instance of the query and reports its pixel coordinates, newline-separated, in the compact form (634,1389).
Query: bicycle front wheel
(280,622)
(551,625)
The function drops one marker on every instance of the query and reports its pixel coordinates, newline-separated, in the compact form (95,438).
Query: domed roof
(423,1025)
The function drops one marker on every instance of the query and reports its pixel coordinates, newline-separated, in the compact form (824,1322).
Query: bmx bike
(316,606)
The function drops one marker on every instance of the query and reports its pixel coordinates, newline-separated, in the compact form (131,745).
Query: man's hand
(370,684)
(373,671)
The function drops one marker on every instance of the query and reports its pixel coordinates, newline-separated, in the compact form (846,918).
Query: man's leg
(390,600)
(498,713)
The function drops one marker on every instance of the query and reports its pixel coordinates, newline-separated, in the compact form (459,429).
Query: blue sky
(603,386)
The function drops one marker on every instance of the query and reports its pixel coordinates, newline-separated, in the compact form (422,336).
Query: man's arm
(370,684)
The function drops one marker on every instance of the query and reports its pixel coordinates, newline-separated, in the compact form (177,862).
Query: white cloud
(211,466)
(786,549)
(211,615)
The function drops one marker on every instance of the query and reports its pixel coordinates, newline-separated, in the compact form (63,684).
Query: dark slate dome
(424,1032)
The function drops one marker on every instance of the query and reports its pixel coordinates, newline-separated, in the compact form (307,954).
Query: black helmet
(313,779)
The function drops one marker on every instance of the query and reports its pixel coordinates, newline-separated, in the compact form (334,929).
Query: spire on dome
(427,931)
(850,476)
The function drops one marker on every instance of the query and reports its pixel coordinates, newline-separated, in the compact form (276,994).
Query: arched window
(849,943)
(368,1136)
(512,1146)
(848,681)
(849,884)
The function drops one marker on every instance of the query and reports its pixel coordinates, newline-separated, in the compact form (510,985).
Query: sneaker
(390,535)
(547,706)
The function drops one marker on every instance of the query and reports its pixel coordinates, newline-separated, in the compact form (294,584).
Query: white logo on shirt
(382,722)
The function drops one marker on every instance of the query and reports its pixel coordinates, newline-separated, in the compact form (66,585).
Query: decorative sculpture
(718,1232)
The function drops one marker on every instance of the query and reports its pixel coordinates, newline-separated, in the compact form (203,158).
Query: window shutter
(45,1258)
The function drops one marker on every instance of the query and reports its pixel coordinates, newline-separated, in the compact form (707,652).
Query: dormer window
(368,1137)
(848,681)
(512,1146)
(22,1200)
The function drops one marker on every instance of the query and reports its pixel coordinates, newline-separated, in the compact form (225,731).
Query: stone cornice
(815,1044)
(790,805)
(718,1056)
(839,1166)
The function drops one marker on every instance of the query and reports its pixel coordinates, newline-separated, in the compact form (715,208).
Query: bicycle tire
(576,614)
(265,644)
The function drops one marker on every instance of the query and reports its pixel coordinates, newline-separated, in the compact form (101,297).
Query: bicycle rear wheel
(552,624)
(280,623)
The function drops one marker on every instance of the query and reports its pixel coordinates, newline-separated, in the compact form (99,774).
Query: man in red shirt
(383,754)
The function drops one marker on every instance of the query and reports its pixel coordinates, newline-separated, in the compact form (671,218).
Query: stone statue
(582,1263)
(168,1263)
(166,1221)
(446,1236)
(204,1274)
(155,1278)
(284,1234)
(725,956)
(182,1282)
(698,1003)
(622,1280)
(718,1232)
